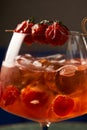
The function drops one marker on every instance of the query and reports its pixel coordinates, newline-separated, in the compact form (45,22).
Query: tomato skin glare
(38,32)
(63,105)
(25,27)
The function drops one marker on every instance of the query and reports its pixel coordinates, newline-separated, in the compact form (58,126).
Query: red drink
(47,89)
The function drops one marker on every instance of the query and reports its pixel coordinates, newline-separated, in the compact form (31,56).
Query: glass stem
(45,126)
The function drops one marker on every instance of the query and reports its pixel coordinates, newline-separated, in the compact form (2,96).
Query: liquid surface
(45,89)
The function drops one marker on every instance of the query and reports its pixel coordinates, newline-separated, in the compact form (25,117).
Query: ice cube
(66,79)
(67,70)
(50,68)
(23,61)
(56,58)
(37,63)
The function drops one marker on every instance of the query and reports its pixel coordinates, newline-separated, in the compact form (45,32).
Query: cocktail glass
(46,87)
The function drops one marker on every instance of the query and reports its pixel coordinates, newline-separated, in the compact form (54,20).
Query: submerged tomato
(34,99)
(10,95)
(63,105)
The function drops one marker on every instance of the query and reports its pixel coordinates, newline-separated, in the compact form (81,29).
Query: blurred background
(12,12)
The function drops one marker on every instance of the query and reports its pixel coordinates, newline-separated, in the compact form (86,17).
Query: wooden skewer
(9,30)
(82,34)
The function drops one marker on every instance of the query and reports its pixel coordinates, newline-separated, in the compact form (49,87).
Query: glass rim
(72,33)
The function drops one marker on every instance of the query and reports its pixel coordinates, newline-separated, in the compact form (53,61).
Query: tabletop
(55,126)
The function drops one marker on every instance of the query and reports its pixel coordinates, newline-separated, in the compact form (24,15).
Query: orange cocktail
(45,89)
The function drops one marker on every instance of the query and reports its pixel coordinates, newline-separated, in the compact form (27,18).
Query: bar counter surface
(55,126)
